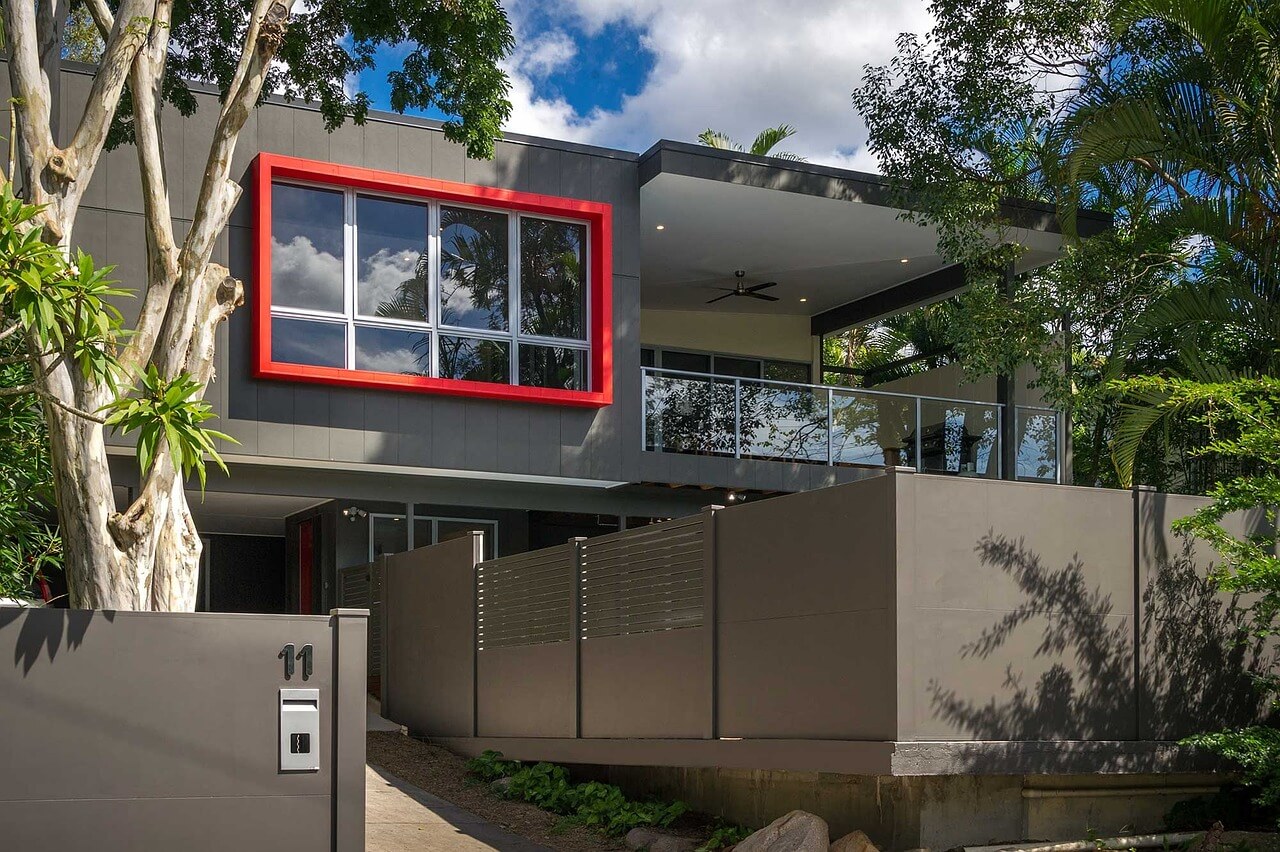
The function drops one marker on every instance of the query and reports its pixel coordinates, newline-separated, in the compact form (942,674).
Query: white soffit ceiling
(829,252)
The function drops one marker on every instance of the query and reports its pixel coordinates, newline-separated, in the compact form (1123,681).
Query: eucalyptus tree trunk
(146,557)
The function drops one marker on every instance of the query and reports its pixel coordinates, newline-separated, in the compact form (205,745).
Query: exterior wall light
(354,513)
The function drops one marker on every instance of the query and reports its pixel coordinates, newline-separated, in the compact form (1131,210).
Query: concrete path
(401,818)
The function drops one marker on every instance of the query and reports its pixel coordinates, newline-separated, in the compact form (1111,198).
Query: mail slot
(299,730)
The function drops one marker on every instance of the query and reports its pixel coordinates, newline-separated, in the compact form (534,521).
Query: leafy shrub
(1257,751)
(1232,806)
(723,836)
(490,766)
(592,803)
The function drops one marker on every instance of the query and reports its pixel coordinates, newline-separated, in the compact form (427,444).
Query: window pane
(393,350)
(422,532)
(689,362)
(744,368)
(474,359)
(449,530)
(473,269)
(389,535)
(787,371)
(647,358)
(553,367)
(319,344)
(306,248)
(391,252)
(553,279)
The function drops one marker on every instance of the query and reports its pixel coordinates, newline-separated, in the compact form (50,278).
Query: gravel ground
(442,773)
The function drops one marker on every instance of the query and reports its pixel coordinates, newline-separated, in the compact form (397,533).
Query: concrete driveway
(401,818)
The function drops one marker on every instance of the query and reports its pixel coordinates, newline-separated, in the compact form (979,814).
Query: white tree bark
(146,557)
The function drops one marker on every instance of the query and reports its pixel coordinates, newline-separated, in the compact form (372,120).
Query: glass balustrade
(705,414)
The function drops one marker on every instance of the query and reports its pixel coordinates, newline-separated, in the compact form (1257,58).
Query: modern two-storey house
(565,340)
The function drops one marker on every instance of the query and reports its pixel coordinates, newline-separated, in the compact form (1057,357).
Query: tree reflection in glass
(391,259)
(553,278)
(474,280)
(475,359)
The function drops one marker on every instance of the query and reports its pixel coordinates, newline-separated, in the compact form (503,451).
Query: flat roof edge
(667,156)
(388,117)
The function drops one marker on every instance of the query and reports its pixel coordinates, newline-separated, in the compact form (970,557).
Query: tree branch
(31,91)
(126,39)
(145,82)
(218,193)
(102,17)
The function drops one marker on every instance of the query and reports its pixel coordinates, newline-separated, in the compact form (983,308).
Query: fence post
(350,630)
(919,437)
(575,624)
(737,418)
(710,619)
(831,401)
(1141,495)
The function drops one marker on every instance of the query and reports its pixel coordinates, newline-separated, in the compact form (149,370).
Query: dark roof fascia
(700,161)
(929,287)
(385,117)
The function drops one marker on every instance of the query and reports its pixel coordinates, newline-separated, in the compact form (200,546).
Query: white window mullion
(513,292)
(434,253)
(350,273)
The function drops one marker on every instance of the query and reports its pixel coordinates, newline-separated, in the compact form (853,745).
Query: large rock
(798,831)
(854,841)
(656,841)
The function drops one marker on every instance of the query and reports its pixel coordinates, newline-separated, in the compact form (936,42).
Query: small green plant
(490,766)
(724,836)
(592,803)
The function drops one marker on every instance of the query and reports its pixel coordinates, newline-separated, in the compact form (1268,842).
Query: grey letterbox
(299,730)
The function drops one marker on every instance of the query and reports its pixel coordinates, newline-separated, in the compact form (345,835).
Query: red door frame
(306,564)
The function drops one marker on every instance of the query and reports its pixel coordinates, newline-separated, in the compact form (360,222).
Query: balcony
(704,414)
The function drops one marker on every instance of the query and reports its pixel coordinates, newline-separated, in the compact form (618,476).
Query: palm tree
(1201,119)
(762,146)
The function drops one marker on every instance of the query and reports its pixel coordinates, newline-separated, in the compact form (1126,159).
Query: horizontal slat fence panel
(643,580)
(358,587)
(526,599)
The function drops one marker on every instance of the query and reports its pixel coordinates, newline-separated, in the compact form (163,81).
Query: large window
(400,282)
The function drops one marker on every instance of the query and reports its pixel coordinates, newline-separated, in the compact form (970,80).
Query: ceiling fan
(741,289)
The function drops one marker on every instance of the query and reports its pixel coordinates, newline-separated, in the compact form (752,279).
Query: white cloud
(303,276)
(736,67)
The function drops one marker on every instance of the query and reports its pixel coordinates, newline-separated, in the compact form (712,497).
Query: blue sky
(623,73)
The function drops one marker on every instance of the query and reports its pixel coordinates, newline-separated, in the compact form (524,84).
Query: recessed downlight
(804,298)
(660,227)
(905,260)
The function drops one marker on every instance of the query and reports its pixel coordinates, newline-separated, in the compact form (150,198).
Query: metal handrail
(686,374)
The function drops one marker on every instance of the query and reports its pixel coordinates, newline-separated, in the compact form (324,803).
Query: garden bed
(442,773)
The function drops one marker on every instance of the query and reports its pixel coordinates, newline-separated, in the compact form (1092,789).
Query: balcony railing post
(831,399)
(737,418)
(919,438)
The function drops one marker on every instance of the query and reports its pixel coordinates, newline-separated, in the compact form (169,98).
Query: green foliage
(762,146)
(54,310)
(29,542)
(451,55)
(490,766)
(171,411)
(1233,806)
(1256,751)
(724,836)
(592,803)
(62,306)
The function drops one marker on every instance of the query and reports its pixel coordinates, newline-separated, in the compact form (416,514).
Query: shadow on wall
(1195,670)
(47,634)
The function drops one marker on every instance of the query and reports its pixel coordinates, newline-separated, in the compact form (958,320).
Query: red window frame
(270,167)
